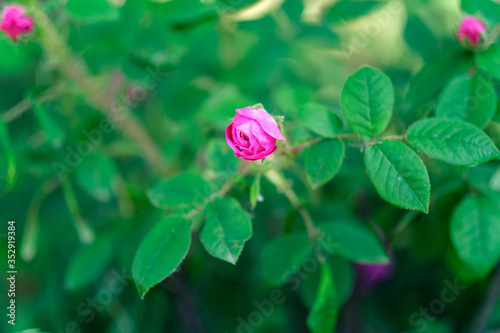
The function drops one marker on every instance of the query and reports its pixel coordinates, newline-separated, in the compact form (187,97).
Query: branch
(279,181)
(98,97)
(26,104)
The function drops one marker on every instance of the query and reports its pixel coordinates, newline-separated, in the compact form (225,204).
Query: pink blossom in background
(470,29)
(369,276)
(14,23)
(252,134)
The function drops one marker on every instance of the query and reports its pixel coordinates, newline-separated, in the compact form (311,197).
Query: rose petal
(238,140)
(229,138)
(258,156)
(265,140)
(268,124)
(239,119)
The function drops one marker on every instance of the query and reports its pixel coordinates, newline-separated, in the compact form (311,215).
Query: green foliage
(319,119)
(452,141)
(96,175)
(51,128)
(475,232)
(354,242)
(220,157)
(428,83)
(323,316)
(227,228)
(92,10)
(115,167)
(8,170)
(347,10)
(88,264)
(399,175)
(282,257)
(487,61)
(183,190)
(367,102)
(472,99)
(486,8)
(255,191)
(160,253)
(323,161)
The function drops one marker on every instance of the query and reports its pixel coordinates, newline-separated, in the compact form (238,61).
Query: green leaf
(367,102)
(219,106)
(494,182)
(88,265)
(319,119)
(475,232)
(453,141)
(429,82)
(324,313)
(353,241)
(343,278)
(323,161)
(220,157)
(347,10)
(8,170)
(281,258)
(16,58)
(160,253)
(485,8)
(420,38)
(183,190)
(227,228)
(255,191)
(488,61)
(92,10)
(471,99)
(96,175)
(53,132)
(399,175)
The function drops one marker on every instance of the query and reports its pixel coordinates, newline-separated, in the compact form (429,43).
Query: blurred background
(183,67)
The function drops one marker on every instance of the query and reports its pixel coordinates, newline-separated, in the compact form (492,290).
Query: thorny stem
(279,181)
(76,71)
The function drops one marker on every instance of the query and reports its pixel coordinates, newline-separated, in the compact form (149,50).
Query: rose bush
(363,198)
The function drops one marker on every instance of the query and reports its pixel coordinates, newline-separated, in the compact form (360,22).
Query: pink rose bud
(252,134)
(470,31)
(14,23)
